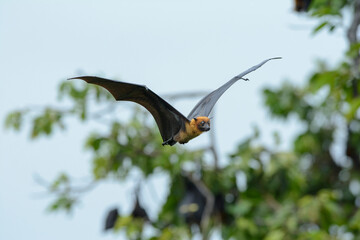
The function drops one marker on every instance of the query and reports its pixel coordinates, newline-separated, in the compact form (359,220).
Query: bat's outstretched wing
(204,107)
(168,119)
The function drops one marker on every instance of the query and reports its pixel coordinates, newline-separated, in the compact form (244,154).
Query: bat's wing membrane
(168,119)
(204,107)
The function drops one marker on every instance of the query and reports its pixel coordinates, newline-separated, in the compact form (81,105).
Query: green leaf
(122,221)
(354,107)
(64,202)
(246,225)
(61,180)
(43,124)
(275,235)
(320,26)
(14,120)
(354,223)
(353,50)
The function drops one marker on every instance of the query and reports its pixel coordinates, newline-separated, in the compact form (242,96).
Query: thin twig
(79,189)
(177,96)
(100,113)
(352,34)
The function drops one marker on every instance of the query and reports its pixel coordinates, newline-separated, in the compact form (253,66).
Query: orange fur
(191,130)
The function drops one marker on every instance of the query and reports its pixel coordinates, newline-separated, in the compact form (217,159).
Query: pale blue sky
(170,46)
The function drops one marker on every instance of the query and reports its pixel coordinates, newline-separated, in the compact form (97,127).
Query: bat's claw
(245,79)
(170,142)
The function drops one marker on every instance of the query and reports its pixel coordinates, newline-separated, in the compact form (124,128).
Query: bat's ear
(195,119)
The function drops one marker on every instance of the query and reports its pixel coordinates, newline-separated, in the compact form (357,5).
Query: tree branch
(176,96)
(352,35)
(75,190)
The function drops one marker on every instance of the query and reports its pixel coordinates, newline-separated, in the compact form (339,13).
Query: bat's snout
(205,128)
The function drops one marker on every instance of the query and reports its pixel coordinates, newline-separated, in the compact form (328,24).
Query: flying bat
(174,127)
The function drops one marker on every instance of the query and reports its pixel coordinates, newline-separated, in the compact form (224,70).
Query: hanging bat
(111,218)
(192,205)
(174,127)
(302,5)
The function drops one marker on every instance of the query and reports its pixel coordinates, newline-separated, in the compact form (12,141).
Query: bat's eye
(202,123)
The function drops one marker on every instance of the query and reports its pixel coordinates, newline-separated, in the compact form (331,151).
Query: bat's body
(192,129)
(174,127)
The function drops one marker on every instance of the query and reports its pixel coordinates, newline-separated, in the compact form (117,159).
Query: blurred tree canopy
(311,191)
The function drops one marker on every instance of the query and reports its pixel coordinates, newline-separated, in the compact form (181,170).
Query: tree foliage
(311,191)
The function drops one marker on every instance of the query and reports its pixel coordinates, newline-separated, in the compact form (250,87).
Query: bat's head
(202,123)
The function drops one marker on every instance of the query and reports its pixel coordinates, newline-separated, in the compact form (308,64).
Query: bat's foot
(245,79)
(170,142)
